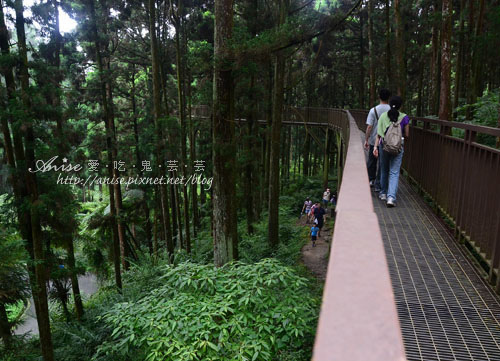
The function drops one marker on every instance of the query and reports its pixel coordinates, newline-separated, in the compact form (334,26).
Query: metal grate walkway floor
(445,310)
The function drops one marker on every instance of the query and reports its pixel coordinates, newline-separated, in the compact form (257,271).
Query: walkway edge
(358,319)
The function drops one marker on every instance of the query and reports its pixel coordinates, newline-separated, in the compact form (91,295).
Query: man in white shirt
(371,135)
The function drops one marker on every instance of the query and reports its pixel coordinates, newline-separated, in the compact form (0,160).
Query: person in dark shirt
(319,212)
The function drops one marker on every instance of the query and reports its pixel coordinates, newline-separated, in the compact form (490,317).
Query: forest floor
(316,258)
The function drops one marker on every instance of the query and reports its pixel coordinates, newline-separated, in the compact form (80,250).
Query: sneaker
(390,202)
(372,183)
(382,197)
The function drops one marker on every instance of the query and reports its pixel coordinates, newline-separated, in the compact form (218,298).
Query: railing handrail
(461,176)
(358,319)
(482,129)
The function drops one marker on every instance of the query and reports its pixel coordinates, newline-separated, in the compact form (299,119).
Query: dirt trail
(316,258)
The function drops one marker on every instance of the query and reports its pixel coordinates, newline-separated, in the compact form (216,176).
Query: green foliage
(15,310)
(23,349)
(302,188)
(13,282)
(485,112)
(237,312)
(254,247)
(94,238)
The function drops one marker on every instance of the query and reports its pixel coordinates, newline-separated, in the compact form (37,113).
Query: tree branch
(300,7)
(261,53)
(309,37)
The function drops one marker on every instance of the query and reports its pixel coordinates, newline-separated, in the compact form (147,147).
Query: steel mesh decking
(445,310)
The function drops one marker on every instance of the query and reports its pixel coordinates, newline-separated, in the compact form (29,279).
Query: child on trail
(307,208)
(314,234)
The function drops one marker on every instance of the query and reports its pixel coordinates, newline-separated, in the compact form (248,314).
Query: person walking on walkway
(371,135)
(390,150)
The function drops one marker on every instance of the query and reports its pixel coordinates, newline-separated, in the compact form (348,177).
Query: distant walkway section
(445,310)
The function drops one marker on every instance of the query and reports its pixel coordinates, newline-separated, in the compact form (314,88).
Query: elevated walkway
(445,310)
(398,285)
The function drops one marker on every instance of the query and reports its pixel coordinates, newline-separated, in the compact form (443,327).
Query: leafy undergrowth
(241,311)
(264,307)
(15,310)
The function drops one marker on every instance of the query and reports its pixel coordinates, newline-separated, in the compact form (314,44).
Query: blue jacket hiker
(314,234)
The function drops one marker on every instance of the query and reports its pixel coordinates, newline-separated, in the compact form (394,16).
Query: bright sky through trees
(66,24)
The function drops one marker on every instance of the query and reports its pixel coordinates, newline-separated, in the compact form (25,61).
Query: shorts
(325,202)
(313,238)
(308,211)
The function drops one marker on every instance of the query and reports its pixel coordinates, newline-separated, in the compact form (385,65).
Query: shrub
(236,312)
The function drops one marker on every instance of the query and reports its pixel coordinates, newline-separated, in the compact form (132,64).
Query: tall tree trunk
(75,286)
(288,151)
(400,49)
(326,162)
(16,157)
(224,190)
(104,100)
(269,117)
(249,161)
(40,292)
(192,154)
(460,58)
(61,145)
(179,217)
(274,166)
(182,118)
(307,147)
(5,328)
(420,95)
(157,114)
(498,126)
(476,89)
(388,55)
(445,97)
(435,62)
(371,52)
(138,161)
(125,250)
(361,60)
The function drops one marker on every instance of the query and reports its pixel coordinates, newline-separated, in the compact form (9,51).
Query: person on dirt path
(389,146)
(371,135)
(314,234)
(333,205)
(307,208)
(319,213)
(326,197)
(312,217)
